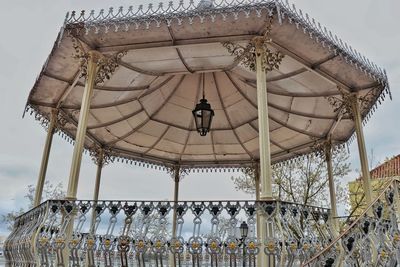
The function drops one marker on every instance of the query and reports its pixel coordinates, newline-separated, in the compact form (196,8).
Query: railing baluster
(370,240)
(140,234)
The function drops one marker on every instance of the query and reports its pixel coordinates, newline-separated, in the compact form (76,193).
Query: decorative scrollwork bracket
(106,64)
(177,177)
(345,103)
(323,149)
(258,46)
(100,155)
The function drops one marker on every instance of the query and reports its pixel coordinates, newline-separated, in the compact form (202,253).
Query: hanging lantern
(203,115)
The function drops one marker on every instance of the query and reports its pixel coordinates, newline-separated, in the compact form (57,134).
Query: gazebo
(197,86)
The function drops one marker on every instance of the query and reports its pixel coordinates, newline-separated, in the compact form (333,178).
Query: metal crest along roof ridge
(122,19)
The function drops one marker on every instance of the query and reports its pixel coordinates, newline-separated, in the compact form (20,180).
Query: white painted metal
(264,148)
(263,128)
(332,190)
(45,158)
(123,111)
(92,68)
(100,163)
(362,151)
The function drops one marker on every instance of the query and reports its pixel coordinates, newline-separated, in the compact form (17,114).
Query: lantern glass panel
(203,116)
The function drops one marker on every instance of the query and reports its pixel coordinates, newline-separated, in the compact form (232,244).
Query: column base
(263,198)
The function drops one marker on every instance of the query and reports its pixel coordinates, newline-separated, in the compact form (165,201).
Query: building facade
(380,176)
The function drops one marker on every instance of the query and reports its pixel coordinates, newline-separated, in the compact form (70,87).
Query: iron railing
(373,239)
(163,233)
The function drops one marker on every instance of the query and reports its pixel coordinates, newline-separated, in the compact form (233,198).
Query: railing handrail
(189,201)
(170,201)
(327,248)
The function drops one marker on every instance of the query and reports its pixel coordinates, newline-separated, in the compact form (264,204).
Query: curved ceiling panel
(144,111)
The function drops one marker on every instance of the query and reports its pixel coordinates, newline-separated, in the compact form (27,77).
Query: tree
(357,202)
(149,226)
(50,191)
(302,181)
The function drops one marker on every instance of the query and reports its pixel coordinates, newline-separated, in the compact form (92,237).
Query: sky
(29,29)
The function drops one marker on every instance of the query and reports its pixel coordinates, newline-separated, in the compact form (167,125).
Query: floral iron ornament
(106,64)
(344,105)
(257,46)
(101,155)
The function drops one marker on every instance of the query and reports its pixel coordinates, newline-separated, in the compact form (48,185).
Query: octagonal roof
(143,112)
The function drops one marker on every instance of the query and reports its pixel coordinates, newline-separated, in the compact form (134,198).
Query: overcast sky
(29,29)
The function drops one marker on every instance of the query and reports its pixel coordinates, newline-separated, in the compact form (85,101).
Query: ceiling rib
(293,150)
(124,101)
(158,140)
(120,89)
(335,123)
(109,123)
(150,117)
(96,87)
(227,117)
(298,113)
(294,128)
(274,91)
(286,75)
(139,70)
(183,61)
(310,66)
(273,79)
(271,88)
(75,123)
(68,90)
(270,138)
(318,63)
(139,156)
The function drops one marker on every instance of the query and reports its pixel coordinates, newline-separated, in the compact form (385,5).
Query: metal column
(92,67)
(45,158)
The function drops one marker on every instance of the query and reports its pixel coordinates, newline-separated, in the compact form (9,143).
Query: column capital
(101,156)
(54,120)
(348,102)
(326,148)
(253,169)
(106,65)
(258,46)
(264,198)
(177,173)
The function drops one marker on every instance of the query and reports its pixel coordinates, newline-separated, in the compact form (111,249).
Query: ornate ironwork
(182,172)
(258,45)
(106,64)
(61,121)
(189,12)
(372,238)
(138,233)
(101,155)
(345,103)
(321,147)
